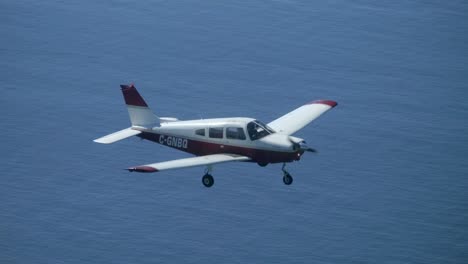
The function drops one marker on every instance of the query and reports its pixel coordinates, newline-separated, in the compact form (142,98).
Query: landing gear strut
(207,179)
(287,178)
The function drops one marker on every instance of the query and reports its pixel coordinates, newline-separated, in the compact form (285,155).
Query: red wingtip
(131,95)
(142,169)
(326,102)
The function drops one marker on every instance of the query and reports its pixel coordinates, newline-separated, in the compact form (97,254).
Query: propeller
(301,145)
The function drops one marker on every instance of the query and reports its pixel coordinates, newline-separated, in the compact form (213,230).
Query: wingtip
(142,169)
(325,102)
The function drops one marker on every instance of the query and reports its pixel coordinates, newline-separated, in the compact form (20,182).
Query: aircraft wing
(189,162)
(294,121)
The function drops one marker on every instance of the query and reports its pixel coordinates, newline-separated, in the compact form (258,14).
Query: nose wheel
(287,178)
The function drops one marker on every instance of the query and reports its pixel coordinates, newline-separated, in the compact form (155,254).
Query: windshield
(258,130)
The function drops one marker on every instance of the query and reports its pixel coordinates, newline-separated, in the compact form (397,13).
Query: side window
(200,132)
(216,132)
(235,133)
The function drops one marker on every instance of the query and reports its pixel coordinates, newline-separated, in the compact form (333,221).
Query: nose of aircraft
(300,144)
(286,143)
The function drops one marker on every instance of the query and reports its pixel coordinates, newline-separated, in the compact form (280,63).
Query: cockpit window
(235,133)
(258,130)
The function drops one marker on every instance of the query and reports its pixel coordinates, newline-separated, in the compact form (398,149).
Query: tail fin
(139,112)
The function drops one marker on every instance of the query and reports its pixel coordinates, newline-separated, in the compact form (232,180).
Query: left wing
(189,162)
(293,121)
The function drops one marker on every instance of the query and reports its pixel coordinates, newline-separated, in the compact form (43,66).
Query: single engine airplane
(219,140)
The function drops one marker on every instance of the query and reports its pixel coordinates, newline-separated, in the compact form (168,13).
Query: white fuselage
(240,135)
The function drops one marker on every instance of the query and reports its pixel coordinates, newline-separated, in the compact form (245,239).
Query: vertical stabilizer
(139,112)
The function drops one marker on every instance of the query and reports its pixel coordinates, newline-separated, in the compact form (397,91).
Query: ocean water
(389,184)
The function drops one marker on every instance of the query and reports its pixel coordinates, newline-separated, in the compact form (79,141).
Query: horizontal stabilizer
(189,162)
(119,135)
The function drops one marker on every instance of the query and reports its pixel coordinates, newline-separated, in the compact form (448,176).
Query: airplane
(219,140)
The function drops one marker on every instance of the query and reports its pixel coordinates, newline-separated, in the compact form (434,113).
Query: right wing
(189,162)
(294,121)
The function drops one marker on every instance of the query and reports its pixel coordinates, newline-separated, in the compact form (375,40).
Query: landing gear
(207,179)
(287,178)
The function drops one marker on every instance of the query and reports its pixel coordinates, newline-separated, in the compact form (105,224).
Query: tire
(208,180)
(287,179)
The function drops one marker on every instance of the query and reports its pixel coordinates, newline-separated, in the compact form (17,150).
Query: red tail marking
(131,95)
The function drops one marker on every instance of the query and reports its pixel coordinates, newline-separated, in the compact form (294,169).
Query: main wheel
(287,179)
(208,180)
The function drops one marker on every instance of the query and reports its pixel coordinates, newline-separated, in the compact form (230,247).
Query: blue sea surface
(390,181)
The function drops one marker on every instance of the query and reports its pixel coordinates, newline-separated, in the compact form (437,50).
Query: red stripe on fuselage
(201,148)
